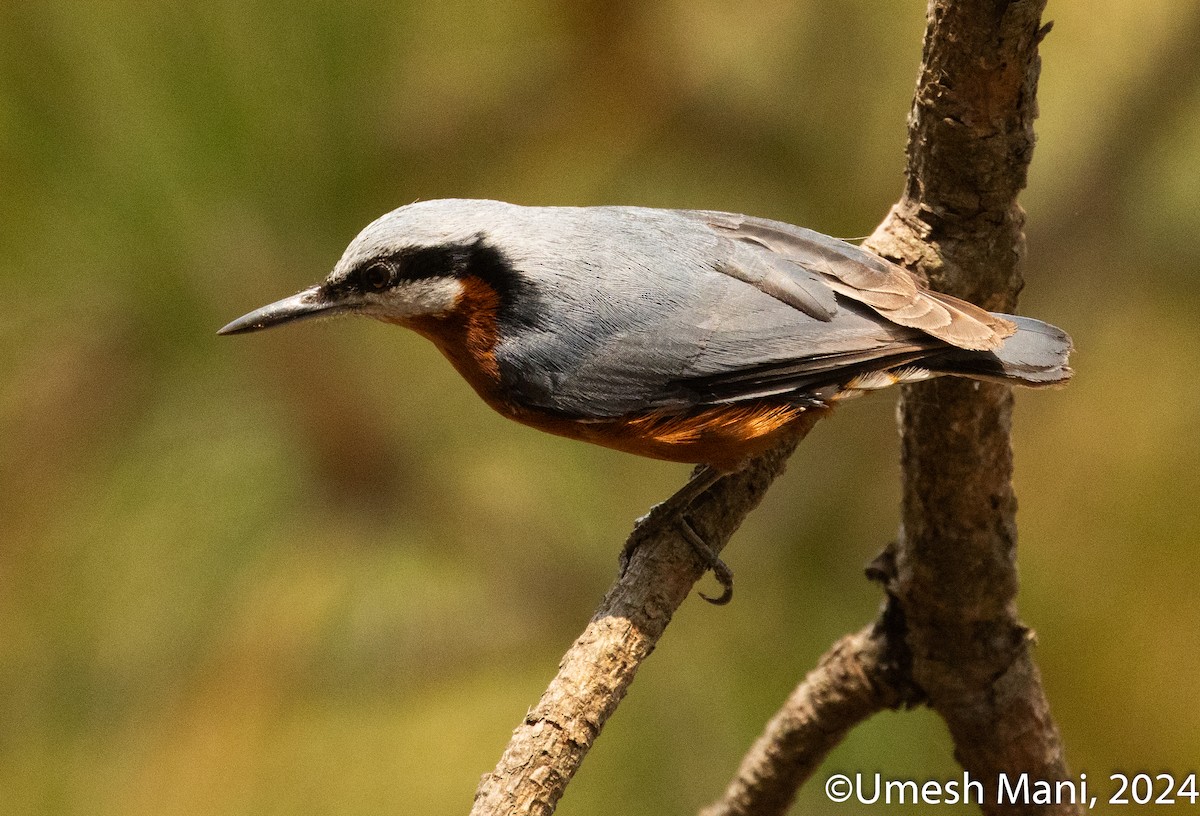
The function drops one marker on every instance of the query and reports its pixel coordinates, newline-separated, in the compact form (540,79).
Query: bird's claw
(712,562)
(672,511)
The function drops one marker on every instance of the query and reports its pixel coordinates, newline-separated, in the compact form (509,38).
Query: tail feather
(1036,356)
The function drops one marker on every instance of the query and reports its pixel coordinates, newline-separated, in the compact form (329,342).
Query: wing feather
(780,278)
(854,272)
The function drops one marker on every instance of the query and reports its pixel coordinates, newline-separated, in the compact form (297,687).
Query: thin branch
(548,747)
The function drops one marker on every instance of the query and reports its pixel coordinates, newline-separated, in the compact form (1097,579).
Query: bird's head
(409,264)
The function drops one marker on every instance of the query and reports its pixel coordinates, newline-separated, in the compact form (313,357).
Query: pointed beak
(300,306)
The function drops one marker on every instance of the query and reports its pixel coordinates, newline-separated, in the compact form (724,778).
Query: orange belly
(723,437)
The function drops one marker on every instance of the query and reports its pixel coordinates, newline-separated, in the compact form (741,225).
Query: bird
(691,336)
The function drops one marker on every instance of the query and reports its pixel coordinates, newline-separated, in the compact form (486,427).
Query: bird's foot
(645,526)
(673,511)
(719,568)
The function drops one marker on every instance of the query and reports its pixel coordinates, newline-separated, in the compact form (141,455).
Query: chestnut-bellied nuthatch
(691,336)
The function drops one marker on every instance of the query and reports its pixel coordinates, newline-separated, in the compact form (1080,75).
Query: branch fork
(947,634)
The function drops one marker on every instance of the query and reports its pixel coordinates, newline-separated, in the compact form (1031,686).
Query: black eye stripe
(418,263)
(410,264)
(519,300)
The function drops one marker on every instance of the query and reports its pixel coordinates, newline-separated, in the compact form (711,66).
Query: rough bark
(970,142)
(549,746)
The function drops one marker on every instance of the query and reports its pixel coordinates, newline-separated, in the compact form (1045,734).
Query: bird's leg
(674,510)
(720,569)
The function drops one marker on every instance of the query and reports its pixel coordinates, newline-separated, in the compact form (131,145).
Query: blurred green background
(308,572)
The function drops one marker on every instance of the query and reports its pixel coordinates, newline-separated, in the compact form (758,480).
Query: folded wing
(810,259)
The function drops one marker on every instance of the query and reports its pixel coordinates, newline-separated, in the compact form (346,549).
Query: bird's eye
(375,278)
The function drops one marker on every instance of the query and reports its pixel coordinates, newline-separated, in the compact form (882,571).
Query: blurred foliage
(309,573)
